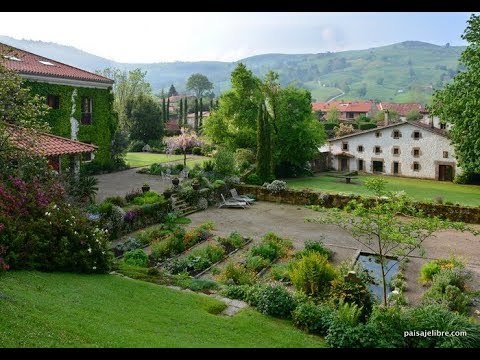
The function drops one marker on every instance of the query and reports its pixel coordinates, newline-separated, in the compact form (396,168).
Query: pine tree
(180,112)
(196,115)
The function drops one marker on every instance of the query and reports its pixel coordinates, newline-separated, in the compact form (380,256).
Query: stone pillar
(75,165)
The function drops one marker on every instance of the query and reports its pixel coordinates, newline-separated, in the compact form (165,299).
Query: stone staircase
(181,207)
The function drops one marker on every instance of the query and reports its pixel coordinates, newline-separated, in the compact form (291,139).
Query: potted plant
(145,187)
(175,181)
(168,193)
(195,184)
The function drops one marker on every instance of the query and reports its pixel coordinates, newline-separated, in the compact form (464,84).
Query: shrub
(197,150)
(132,194)
(116,200)
(130,244)
(256,263)
(236,274)
(207,225)
(237,292)
(136,258)
(202,285)
(216,308)
(224,162)
(352,292)
(244,158)
(272,246)
(280,272)
(253,179)
(266,251)
(277,186)
(136,146)
(431,268)
(446,290)
(149,197)
(388,326)
(315,246)
(275,300)
(232,242)
(315,319)
(208,165)
(312,274)
(439,318)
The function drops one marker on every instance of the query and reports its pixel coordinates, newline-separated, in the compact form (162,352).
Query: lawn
(70,310)
(136,159)
(416,188)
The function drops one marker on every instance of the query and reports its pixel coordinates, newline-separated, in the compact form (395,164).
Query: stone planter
(145,188)
(175,181)
(195,186)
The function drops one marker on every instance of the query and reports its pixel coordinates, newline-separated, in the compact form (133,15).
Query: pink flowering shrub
(186,140)
(40,230)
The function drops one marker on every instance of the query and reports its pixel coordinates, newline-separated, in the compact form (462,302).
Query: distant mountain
(403,72)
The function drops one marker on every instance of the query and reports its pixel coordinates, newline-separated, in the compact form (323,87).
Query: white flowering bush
(277,186)
(61,240)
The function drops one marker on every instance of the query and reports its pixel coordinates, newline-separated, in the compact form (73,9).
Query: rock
(146,148)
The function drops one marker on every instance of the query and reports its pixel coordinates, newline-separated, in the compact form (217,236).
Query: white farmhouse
(411,149)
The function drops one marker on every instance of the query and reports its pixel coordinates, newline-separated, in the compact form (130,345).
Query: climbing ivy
(104,123)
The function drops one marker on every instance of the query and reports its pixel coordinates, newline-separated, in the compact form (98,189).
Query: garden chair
(232,203)
(238,197)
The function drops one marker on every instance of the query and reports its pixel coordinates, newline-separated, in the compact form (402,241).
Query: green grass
(415,188)
(70,310)
(135,159)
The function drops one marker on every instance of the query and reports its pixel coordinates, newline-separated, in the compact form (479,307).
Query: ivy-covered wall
(103,124)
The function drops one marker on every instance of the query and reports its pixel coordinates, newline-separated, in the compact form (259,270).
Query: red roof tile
(402,109)
(352,106)
(29,63)
(45,144)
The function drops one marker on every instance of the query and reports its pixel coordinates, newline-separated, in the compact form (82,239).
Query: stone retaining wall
(301,197)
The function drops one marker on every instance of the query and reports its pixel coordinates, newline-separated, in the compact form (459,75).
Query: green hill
(403,72)
(68,310)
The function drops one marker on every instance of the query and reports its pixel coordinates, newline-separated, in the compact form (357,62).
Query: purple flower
(129,216)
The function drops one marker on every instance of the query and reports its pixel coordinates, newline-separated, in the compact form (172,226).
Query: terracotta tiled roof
(402,109)
(25,62)
(172,125)
(437,131)
(353,106)
(45,144)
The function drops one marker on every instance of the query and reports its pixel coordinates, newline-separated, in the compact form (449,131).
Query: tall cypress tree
(164,112)
(185,111)
(180,112)
(201,113)
(196,115)
(211,105)
(168,109)
(263,153)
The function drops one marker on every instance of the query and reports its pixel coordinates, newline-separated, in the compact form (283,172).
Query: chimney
(385,114)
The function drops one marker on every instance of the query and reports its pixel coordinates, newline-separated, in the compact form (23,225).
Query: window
(416,166)
(416,152)
(44,62)
(443,126)
(417,135)
(377,149)
(445,154)
(345,146)
(396,150)
(86,111)
(11,57)
(378,134)
(360,148)
(396,134)
(350,115)
(53,101)
(360,165)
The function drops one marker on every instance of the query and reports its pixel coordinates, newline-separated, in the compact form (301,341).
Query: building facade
(411,149)
(80,102)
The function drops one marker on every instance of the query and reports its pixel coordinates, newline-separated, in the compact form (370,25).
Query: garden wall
(302,197)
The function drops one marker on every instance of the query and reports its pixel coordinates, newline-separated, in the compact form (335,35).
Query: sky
(164,37)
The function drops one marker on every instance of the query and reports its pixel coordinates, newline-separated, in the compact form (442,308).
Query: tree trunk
(185,158)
